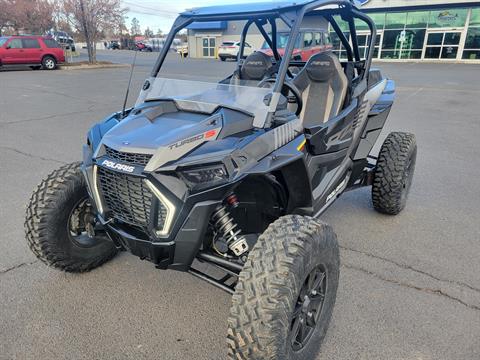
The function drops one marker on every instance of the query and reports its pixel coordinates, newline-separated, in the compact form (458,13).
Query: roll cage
(292,15)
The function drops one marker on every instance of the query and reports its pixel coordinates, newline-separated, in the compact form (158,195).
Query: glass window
(15,44)
(452,38)
(417,19)
(471,54)
(414,38)
(473,39)
(378,19)
(449,52)
(307,39)
(390,54)
(448,18)
(31,44)
(395,20)
(411,54)
(3,40)
(318,39)
(50,43)
(432,52)
(391,39)
(435,39)
(475,18)
(341,23)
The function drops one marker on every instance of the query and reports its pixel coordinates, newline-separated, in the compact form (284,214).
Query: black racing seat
(255,67)
(324,86)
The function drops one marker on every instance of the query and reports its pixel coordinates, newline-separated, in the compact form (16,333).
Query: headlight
(205,176)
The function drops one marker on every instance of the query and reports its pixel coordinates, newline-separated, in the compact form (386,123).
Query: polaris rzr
(234,173)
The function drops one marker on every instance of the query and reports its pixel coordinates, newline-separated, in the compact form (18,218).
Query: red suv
(35,51)
(308,43)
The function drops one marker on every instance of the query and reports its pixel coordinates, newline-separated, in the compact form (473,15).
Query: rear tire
(48,224)
(394,173)
(223,58)
(289,279)
(49,63)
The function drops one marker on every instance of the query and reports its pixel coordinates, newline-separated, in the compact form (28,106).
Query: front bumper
(176,254)
(175,249)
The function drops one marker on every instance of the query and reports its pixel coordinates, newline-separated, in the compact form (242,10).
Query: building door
(442,45)
(208,47)
(363,39)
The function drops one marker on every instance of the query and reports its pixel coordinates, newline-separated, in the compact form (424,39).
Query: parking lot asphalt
(409,285)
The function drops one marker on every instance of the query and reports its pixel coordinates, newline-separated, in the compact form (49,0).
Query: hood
(164,132)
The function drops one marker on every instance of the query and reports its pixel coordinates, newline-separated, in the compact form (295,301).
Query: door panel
(32,50)
(14,53)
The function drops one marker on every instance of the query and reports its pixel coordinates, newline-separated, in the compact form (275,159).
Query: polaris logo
(255,63)
(116,166)
(321,63)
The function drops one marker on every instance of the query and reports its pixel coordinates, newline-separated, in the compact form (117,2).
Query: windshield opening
(218,80)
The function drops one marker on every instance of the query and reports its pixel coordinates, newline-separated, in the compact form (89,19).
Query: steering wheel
(290,87)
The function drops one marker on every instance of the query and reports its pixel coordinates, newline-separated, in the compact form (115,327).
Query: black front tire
(49,63)
(222,58)
(269,300)
(393,175)
(47,224)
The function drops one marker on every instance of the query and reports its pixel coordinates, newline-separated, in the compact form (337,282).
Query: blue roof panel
(208,25)
(244,8)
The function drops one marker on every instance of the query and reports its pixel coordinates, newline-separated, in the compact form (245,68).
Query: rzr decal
(206,135)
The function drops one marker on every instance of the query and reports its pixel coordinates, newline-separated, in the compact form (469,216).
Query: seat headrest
(256,66)
(322,66)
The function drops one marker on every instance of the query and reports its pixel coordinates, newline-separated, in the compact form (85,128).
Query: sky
(160,14)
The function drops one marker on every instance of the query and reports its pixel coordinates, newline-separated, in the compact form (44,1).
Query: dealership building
(439,30)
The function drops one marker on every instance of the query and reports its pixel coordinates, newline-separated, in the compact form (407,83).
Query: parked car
(230,49)
(114,45)
(64,39)
(34,51)
(309,42)
(141,46)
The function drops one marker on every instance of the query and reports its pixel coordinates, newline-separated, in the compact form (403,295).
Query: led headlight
(205,176)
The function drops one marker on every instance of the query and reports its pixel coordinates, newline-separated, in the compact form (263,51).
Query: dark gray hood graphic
(167,137)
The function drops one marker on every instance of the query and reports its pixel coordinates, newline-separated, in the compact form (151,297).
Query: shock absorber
(228,229)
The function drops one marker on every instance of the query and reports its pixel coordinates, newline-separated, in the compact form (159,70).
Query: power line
(151,9)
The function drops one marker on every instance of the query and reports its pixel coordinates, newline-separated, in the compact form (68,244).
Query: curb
(90,67)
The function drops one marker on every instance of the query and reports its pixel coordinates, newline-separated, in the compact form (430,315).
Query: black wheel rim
(76,227)
(308,308)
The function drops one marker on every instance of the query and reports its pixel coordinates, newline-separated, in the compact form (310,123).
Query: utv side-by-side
(226,178)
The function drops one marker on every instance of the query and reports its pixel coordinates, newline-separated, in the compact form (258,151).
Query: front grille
(129,158)
(128,199)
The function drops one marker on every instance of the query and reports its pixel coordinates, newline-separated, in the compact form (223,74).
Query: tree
(159,33)
(92,18)
(148,33)
(31,16)
(135,29)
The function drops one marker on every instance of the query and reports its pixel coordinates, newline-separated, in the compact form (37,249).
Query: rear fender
(376,120)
